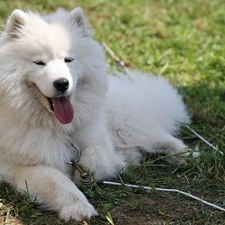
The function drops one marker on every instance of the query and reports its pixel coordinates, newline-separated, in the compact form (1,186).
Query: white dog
(55,95)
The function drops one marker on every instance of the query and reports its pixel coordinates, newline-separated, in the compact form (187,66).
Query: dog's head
(53,54)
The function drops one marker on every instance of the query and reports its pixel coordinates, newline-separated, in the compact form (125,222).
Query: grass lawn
(184,41)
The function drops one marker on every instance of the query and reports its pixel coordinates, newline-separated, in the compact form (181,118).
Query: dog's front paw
(78,211)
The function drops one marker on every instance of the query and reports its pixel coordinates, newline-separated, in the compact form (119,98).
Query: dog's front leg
(98,154)
(52,189)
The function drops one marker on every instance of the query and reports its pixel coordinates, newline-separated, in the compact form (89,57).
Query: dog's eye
(40,63)
(68,60)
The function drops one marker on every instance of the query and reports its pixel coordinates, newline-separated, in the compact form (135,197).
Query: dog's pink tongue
(63,109)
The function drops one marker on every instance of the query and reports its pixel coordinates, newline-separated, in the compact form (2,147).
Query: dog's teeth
(52,108)
(51,104)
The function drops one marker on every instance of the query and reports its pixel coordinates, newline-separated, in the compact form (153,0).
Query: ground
(183,41)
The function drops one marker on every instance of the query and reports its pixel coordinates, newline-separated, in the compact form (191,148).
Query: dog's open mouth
(62,108)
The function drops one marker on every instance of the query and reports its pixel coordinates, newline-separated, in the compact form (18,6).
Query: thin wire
(203,139)
(165,190)
(117,59)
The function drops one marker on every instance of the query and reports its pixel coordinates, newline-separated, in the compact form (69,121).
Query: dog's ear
(78,19)
(15,23)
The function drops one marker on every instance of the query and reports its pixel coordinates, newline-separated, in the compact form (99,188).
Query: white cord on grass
(117,59)
(203,139)
(166,190)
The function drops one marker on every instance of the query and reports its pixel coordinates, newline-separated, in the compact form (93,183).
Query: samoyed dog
(57,102)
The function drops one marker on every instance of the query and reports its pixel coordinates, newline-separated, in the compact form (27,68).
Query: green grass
(184,41)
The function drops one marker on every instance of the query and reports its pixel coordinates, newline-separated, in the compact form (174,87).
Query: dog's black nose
(61,84)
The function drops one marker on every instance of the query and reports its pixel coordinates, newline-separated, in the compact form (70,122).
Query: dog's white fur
(113,120)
